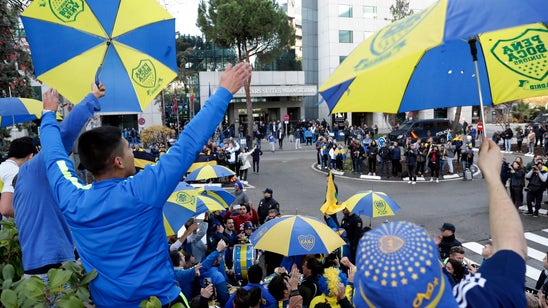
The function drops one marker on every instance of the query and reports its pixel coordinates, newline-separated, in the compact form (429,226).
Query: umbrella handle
(100,68)
(98,74)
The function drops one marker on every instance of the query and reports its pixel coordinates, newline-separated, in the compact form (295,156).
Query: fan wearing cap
(398,262)
(266,204)
(446,240)
(240,194)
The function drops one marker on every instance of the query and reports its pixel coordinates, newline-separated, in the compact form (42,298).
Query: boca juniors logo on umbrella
(65,10)
(144,74)
(307,241)
(525,54)
(390,40)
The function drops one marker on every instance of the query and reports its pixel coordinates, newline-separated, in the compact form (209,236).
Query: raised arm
(505,224)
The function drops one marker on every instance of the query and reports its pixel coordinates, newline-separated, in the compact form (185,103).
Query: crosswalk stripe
(530,271)
(536,238)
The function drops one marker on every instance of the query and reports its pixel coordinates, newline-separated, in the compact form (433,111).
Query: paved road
(300,189)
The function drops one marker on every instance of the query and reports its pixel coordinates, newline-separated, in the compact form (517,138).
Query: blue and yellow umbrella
(426,60)
(209,172)
(184,203)
(371,203)
(295,235)
(129,45)
(19,110)
(15,110)
(219,194)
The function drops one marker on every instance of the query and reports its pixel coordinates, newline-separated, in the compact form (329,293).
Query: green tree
(400,10)
(15,61)
(252,27)
(521,112)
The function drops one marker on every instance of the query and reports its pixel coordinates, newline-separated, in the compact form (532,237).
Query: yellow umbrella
(294,235)
(454,53)
(129,45)
(184,203)
(371,203)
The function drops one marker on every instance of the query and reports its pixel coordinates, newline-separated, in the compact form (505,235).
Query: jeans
(534,196)
(384,167)
(507,143)
(450,163)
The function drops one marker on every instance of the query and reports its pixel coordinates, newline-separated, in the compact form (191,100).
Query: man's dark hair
(255,296)
(314,265)
(456,249)
(21,147)
(276,287)
(175,258)
(98,146)
(255,274)
(241,298)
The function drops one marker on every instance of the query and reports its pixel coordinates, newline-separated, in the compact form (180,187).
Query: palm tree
(522,111)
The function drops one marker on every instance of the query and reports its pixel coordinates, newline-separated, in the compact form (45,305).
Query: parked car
(423,129)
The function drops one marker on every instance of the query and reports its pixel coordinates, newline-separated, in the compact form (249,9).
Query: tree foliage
(252,27)
(156,134)
(15,61)
(400,10)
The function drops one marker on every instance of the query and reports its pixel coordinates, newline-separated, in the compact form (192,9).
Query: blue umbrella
(454,53)
(184,203)
(208,172)
(295,235)
(129,45)
(219,194)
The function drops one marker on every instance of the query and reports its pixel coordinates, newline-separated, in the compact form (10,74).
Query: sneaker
(409,182)
(535,215)
(413,183)
(437,181)
(528,213)
(431,179)
(374,174)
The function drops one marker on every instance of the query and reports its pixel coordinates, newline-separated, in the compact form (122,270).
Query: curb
(374,178)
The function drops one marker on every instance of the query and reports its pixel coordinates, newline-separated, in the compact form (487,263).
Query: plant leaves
(88,278)
(8,271)
(31,287)
(70,302)
(58,277)
(9,298)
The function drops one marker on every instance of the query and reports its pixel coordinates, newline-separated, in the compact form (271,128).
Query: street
(300,189)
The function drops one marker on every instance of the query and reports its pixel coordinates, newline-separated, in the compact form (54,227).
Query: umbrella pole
(474,52)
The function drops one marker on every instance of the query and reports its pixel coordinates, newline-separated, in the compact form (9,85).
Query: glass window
(341,59)
(369,11)
(346,36)
(345,10)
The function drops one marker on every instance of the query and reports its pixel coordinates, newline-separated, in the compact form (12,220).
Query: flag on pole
(331,205)
(175,105)
(209,93)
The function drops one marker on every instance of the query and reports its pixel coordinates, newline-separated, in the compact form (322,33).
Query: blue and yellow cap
(398,266)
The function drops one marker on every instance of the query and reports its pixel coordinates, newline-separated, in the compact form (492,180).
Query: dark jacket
(445,245)
(264,206)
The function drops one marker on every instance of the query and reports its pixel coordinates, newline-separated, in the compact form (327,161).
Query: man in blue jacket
(44,235)
(116,221)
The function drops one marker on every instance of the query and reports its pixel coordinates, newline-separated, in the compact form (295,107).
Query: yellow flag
(330,205)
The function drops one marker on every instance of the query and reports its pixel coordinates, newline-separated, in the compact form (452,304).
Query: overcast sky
(185,13)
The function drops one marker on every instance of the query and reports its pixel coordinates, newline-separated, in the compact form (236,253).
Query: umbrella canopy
(19,110)
(294,235)
(15,110)
(184,203)
(128,45)
(208,172)
(219,194)
(424,61)
(371,203)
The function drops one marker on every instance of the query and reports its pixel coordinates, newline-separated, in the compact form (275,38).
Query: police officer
(266,204)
